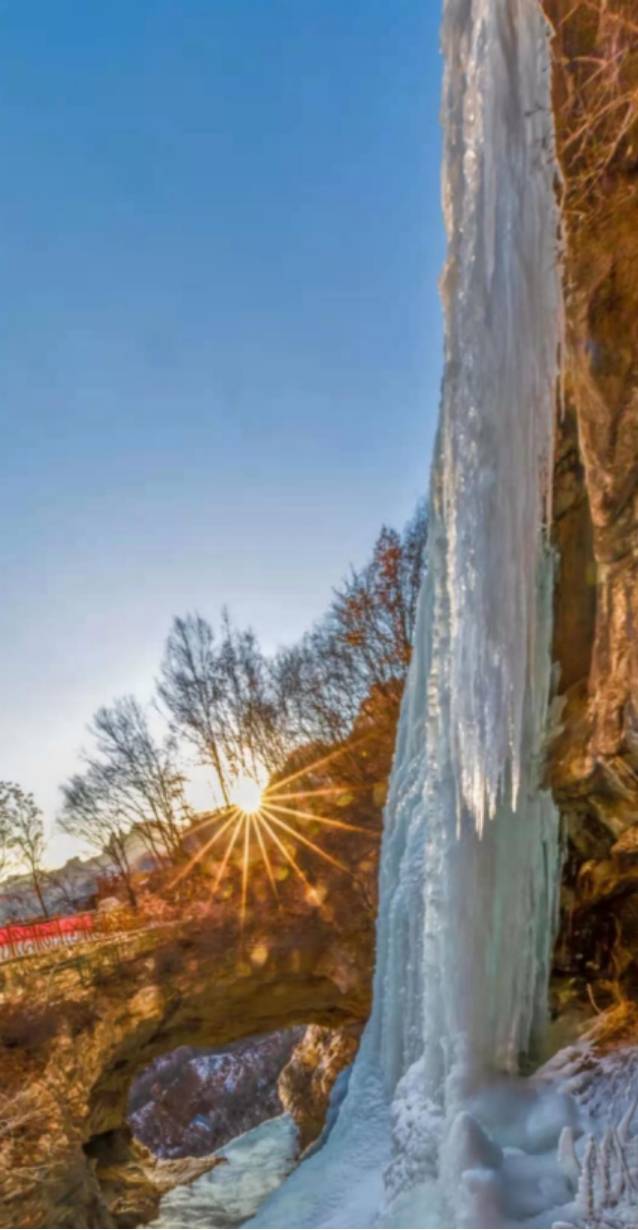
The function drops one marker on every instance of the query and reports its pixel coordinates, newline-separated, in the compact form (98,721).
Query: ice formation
(438,1128)
(602,1163)
(255,1163)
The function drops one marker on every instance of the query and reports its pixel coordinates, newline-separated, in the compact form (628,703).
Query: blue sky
(220,354)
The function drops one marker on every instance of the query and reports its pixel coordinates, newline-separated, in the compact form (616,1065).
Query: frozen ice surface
(256,1163)
(341,1184)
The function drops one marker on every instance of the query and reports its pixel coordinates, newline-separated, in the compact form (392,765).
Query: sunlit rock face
(594,761)
(71,1044)
(306,1083)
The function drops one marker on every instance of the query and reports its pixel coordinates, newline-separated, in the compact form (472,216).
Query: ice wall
(471,734)
(470,856)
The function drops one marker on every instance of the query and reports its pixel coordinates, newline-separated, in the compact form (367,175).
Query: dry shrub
(598,110)
(618,1026)
(16,1120)
(16,1113)
(27,1118)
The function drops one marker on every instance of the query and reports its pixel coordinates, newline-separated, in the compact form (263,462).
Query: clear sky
(220,353)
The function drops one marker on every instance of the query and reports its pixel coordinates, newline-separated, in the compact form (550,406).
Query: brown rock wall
(306,1082)
(593,764)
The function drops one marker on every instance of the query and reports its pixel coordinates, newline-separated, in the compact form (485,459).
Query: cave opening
(227,1125)
(191,1101)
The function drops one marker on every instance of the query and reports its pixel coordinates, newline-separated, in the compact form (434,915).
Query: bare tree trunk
(119,854)
(38,891)
(220,775)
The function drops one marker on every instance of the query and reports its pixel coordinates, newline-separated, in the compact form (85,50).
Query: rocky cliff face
(594,761)
(73,1038)
(306,1082)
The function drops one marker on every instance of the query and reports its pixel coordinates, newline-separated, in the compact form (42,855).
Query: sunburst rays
(268,831)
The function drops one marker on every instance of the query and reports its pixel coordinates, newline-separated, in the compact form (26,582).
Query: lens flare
(262,825)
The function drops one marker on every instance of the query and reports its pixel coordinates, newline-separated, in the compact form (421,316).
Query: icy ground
(559,1149)
(257,1162)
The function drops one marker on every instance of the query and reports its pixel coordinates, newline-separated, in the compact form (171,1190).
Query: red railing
(18,939)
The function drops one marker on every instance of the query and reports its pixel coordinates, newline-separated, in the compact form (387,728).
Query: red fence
(18,939)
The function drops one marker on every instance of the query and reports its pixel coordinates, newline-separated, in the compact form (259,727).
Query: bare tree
(130,785)
(191,687)
(90,816)
(71,893)
(5,833)
(373,613)
(23,827)
(317,688)
(241,711)
(252,721)
(363,644)
(140,774)
(221,695)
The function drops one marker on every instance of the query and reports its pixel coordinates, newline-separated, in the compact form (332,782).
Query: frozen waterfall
(470,856)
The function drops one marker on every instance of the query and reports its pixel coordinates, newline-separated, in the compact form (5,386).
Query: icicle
(567,1159)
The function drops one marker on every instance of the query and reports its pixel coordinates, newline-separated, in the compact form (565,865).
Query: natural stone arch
(202,984)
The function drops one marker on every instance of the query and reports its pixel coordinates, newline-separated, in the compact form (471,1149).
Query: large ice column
(470,854)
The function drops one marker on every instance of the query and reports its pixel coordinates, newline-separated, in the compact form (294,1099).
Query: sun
(246,794)
(259,824)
